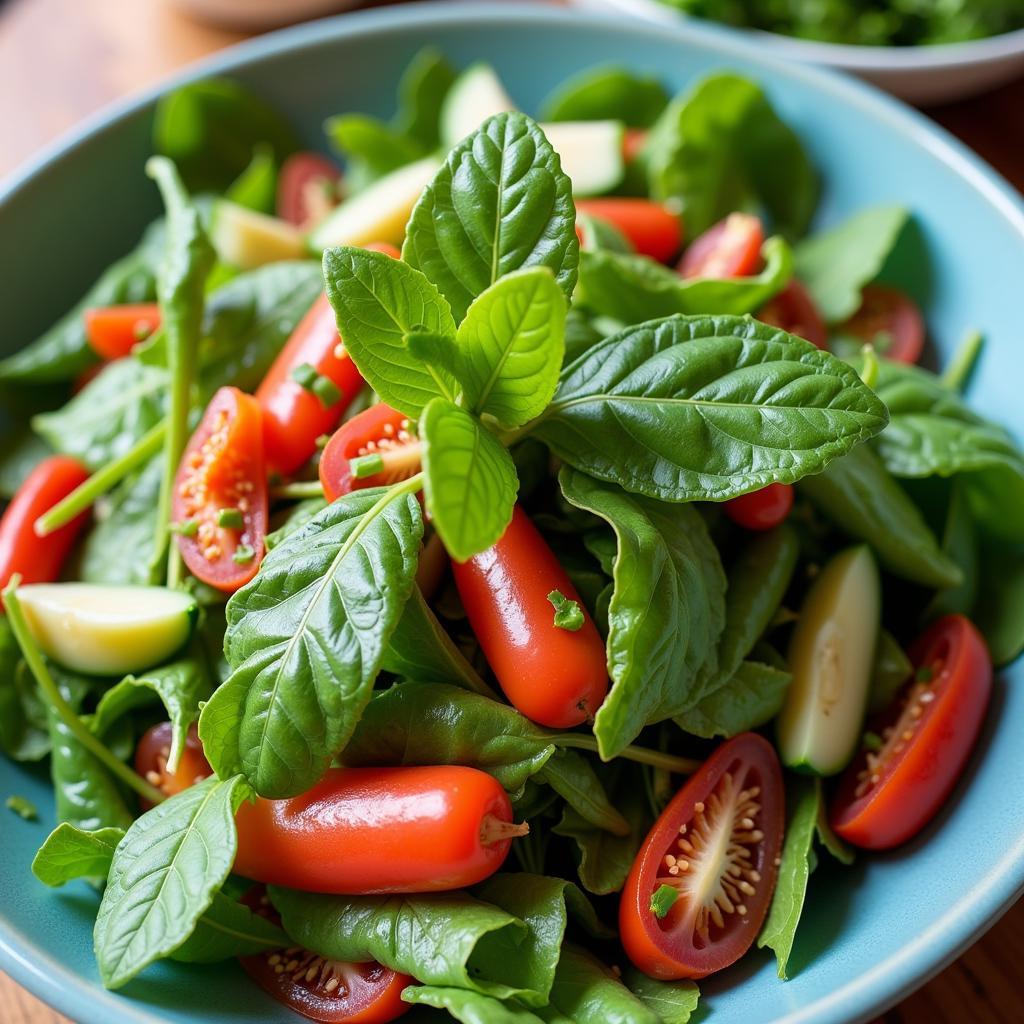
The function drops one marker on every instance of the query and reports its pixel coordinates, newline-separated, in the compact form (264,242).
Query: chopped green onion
(365,465)
(869,371)
(872,741)
(243,553)
(662,900)
(230,518)
(22,808)
(186,528)
(568,614)
(306,376)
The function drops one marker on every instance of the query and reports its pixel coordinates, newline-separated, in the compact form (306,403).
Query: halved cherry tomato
(730,248)
(717,844)
(151,757)
(113,331)
(307,390)
(888,795)
(653,230)
(794,311)
(891,321)
(332,991)
(39,559)
(633,142)
(555,676)
(374,830)
(761,510)
(378,431)
(220,493)
(307,188)
(385,247)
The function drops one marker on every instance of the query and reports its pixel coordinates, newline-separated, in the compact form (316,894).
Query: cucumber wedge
(591,154)
(247,239)
(475,95)
(378,213)
(831,657)
(107,630)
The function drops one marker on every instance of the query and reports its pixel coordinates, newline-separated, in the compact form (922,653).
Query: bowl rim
(43,973)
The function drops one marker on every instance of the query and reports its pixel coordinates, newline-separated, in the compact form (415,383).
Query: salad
(484,581)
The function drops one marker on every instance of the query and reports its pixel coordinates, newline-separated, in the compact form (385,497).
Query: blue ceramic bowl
(870,934)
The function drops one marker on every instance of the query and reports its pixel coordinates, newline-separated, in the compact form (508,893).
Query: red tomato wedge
(377,830)
(113,331)
(793,310)
(39,559)
(730,248)
(307,188)
(384,442)
(307,390)
(888,795)
(653,230)
(716,845)
(153,752)
(763,509)
(220,493)
(889,320)
(555,676)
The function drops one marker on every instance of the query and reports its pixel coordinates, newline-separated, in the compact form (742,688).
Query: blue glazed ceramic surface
(870,934)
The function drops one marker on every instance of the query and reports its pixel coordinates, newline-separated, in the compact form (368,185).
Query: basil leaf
(1000,609)
(673,1001)
(469,479)
(666,614)
(892,668)
(706,408)
(752,697)
(70,852)
(500,202)
(511,345)
(837,263)
(635,288)
(164,875)
(226,930)
(570,775)
(864,501)
(721,146)
(378,301)
(587,992)
(305,640)
(469,1007)
(607,94)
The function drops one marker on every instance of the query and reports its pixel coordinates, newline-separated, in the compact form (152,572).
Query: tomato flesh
(307,188)
(717,844)
(154,751)
(220,493)
(794,311)
(890,321)
(730,248)
(113,331)
(887,796)
(763,509)
(653,230)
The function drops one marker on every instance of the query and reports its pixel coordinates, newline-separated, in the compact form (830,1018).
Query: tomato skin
(886,310)
(794,310)
(113,331)
(652,229)
(665,948)
(293,418)
(915,781)
(730,248)
(633,142)
(151,760)
(39,559)
(763,509)
(554,676)
(222,468)
(301,177)
(378,830)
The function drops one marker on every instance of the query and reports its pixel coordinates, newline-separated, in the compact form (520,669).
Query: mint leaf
(567,612)
(511,345)
(500,202)
(378,301)
(469,479)
(663,899)
(69,853)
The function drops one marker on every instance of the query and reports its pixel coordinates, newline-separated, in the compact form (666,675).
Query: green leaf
(305,640)
(706,408)
(864,501)
(25,450)
(891,670)
(1000,610)
(370,147)
(587,992)
(378,301)
(501,202)
(666,614)
(607,94)
(571,776)
(752,697)
(469,1007)
(226,930)
(511,344)
(164,875)
(828,839)
(69,853)
(469,479)
(960,543)
(837,263)
(672,1001)
(256,187)
(24,718)
(421,91)
(294,519)
(633,289)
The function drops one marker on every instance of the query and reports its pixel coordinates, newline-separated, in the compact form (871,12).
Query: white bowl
(918,74)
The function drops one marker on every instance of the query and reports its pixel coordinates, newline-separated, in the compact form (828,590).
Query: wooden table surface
(62,59)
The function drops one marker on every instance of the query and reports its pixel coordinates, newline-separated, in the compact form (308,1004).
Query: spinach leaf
(960,543)
(469,1007)
(721,146)
(70,852)
(706,408)
(672,1001)
(607,94)
(666,613)
(1000,609)
(25,450)
(421,92)
(256,187)
(500,202)
(753,696)
(570,775)
(228,929)
(892,668)
(863,500)
(837,263)
(378,301)
(633,289)
(587,992)
(164,876)
(305,640)
(469,479)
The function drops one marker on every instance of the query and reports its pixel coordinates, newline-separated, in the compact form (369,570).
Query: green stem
(297,491)
(642,755)
(78,728)
(959,370)
(101,481)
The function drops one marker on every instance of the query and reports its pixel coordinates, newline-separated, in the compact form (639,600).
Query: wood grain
(62,59)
